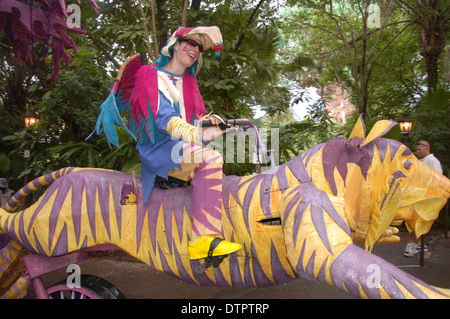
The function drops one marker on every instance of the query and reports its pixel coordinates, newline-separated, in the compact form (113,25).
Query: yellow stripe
(216,188)
(361,291)
(22,192)
(15,200)
(8,208)
(40,225)
(85,228)
(43,181)
(384,294)
(31,186)
(113,225)
(181,244)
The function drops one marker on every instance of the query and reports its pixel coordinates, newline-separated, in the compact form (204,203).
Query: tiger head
(383,184)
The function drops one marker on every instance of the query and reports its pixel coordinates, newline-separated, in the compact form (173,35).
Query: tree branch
(101,47)
(372,64)
(155,38)
(147,35)
(250,20)
(185,13)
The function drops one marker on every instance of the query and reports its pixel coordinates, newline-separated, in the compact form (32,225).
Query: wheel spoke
(92,287)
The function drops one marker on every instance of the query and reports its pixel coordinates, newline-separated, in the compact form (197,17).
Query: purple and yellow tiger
(321,201)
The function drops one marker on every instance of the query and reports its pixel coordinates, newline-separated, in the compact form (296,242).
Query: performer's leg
(204,167)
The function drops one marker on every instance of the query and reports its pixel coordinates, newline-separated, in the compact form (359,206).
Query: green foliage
(124,158)
(68,113)
(431,119)
(315,128)
(74,101)
(39,160)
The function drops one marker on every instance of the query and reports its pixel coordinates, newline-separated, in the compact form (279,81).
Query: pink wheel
(91,287)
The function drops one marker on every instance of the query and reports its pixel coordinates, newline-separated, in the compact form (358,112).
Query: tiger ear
(379,129)
(359,129)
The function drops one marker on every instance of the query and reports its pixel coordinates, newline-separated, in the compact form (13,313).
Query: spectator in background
(5,192)
(425,156)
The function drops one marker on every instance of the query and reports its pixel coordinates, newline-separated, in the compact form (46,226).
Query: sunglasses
(193,43)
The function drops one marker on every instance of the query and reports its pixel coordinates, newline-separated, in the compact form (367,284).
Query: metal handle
(222,126)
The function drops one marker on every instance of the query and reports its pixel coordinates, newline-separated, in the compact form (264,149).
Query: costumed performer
(165,107)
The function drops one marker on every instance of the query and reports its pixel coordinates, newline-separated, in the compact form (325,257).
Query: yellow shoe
(201,247)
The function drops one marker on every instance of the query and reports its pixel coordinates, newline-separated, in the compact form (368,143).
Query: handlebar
(228,123)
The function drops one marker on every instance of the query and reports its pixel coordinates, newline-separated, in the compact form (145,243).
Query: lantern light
(405,124)
(31,118)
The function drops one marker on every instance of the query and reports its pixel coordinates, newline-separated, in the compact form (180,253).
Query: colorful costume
(164,110)
(166,139)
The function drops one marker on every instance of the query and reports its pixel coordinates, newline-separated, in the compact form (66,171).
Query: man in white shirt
(424,155)
(423,152)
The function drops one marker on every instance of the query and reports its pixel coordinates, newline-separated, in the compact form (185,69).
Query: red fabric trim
(145,91)
(183,31)
(193,101)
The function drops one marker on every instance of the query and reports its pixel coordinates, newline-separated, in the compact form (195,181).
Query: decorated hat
(210,37)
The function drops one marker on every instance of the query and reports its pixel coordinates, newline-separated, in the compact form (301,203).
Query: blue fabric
(156,155)
(108,118)
(122,104)
(154,143)
(165,112)
(158,159)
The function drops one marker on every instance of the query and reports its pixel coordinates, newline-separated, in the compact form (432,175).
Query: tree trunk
(185,13)
(162,37)
(431,61)
(433,36)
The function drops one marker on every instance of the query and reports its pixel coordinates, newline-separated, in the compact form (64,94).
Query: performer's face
(188,51)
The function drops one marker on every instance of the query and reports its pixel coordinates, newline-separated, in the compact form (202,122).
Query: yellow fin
(379,129)
(359,129)
(445,291)
(428,210)
(384,211)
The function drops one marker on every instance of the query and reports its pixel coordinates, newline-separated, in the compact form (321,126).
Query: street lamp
(30,118)
(405,128)
(405,124)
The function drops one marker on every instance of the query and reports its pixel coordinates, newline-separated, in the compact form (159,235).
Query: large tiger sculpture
(318,204)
